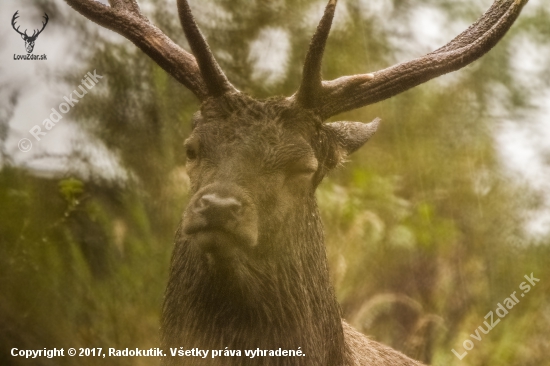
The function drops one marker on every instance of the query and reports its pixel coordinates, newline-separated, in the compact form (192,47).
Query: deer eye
(191,149)
(190,153)
(302,167)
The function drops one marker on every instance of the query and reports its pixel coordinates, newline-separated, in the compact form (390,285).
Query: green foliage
(424,227)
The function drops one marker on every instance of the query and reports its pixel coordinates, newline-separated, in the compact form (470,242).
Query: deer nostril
(214,207)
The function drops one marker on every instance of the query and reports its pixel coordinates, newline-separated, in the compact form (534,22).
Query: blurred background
(429,226)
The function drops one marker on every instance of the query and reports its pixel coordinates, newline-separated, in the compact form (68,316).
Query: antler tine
(43,26)
(126,20)
(311,75)
(13,19)
(216,81)
(351,92)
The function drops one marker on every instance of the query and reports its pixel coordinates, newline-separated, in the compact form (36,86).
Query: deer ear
(352,135)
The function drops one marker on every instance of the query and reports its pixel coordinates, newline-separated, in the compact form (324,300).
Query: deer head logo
(29,40)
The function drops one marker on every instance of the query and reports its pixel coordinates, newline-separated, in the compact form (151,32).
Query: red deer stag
(249,268)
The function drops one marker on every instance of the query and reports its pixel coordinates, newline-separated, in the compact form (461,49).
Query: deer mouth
(212,240)
(219,240)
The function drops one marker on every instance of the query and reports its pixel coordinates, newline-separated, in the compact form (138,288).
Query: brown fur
(362,351)
(259,279)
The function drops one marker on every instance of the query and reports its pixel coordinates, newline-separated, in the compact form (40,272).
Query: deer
(29,40)
(249,269)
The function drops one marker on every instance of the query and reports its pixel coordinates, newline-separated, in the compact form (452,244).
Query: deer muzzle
(220,220)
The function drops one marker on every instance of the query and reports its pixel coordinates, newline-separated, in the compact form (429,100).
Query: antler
(328,98)
(34,34)
(311,86)
(213,76)
(13,19)
(125,18)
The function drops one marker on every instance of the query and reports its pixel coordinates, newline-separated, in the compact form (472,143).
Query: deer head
(250,244)
(29,40)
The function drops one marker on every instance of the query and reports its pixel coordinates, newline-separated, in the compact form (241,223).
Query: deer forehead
(260,128)
(264,144)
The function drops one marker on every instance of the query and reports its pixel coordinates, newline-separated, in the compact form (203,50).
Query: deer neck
(293,304)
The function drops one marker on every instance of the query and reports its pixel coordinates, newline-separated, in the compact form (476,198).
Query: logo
(29,40)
